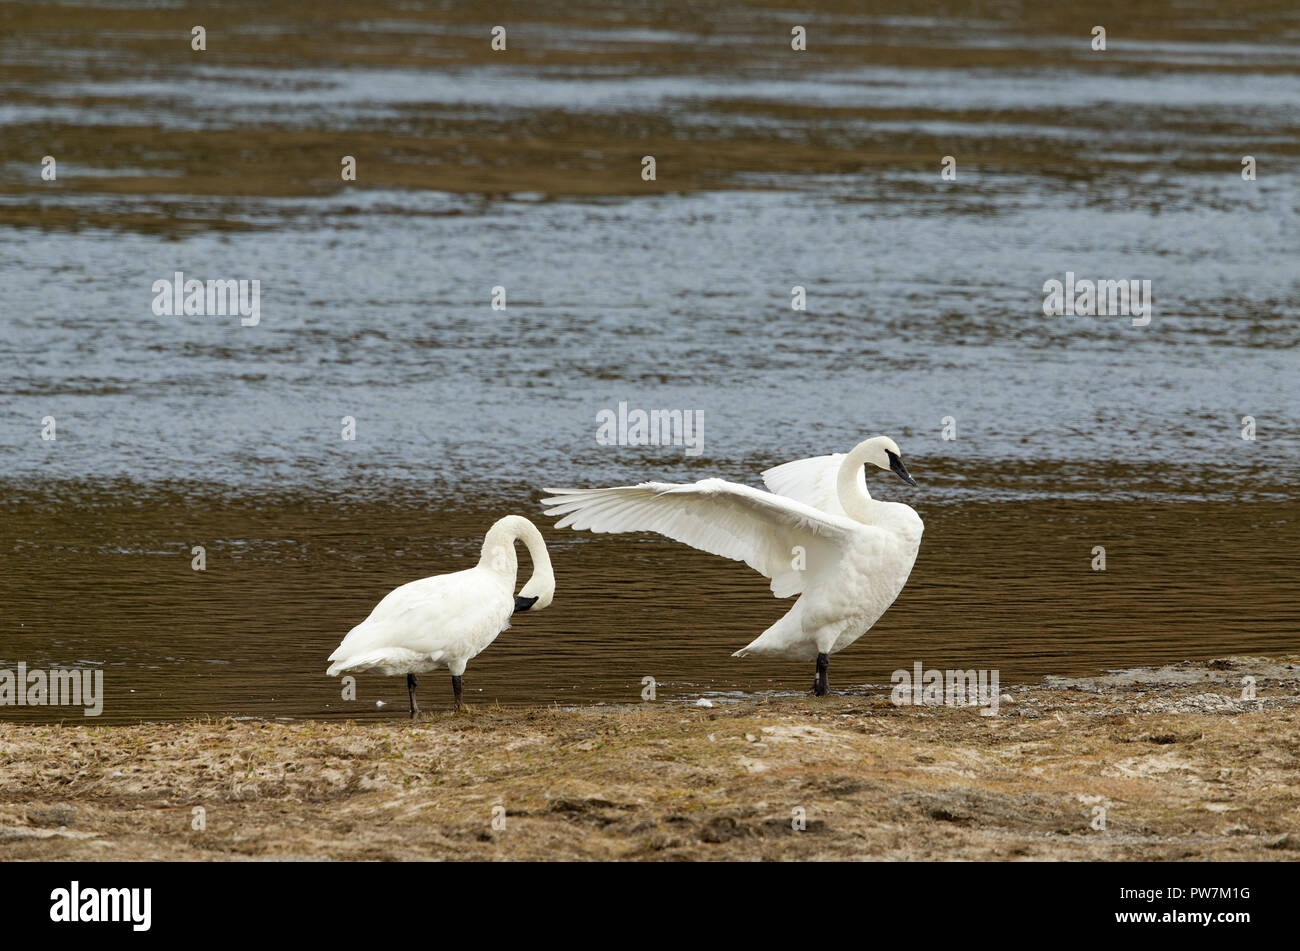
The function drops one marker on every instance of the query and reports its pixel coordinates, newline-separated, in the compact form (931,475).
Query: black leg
(411,683)
(822,685)
(456,685)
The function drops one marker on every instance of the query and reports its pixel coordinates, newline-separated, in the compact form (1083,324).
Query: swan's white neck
(857,501)
(499,555)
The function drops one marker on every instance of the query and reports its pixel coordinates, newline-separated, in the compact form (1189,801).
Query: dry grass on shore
(1182,767)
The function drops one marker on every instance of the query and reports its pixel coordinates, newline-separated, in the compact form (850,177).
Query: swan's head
(537,594)
(498,554)
(539,591)
(883,453)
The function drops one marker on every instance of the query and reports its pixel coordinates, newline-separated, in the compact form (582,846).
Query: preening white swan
(818,533)
(445,620)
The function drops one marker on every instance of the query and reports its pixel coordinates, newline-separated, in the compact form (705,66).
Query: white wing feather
(723,518)
(813,482)
(443,616)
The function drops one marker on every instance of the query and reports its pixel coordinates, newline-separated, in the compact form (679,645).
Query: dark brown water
(998,585)
(522,169)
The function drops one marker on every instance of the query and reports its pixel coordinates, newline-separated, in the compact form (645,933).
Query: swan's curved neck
(854,497)
(499,555)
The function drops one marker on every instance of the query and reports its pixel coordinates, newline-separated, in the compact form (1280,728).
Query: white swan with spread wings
(818,534)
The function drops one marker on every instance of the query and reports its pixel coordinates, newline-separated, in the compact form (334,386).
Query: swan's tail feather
(388,661)
(345,664)
(783,639)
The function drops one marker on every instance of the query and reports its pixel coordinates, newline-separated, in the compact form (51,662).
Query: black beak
(900,470)
(523,604)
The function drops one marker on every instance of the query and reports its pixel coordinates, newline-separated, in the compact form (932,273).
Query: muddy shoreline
(1177,763)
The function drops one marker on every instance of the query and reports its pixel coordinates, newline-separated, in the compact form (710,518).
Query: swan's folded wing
(427,615)
(780,538)
(813,482)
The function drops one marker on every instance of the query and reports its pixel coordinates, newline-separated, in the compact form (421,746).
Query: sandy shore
(1182,767)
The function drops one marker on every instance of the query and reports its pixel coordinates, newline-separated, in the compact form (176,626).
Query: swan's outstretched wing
(813,482)
(780,538)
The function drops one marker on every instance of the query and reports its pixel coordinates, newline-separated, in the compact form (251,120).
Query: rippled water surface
(523,170)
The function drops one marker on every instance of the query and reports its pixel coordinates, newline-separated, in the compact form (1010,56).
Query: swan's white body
(817,534)
(446,620)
